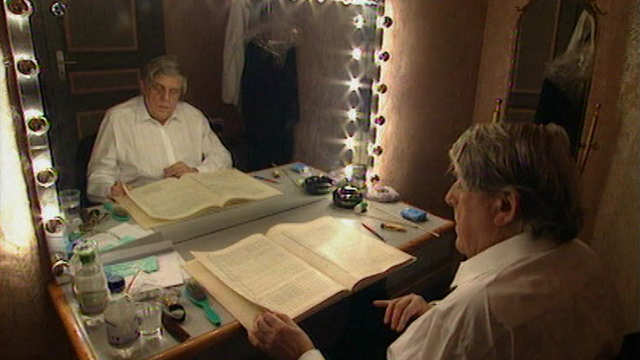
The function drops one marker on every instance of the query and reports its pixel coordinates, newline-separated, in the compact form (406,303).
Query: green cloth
(123,240)
(130,268)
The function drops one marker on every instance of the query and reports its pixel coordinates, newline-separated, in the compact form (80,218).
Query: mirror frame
(32,125)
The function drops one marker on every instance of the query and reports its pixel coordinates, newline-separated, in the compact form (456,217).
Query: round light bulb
(356,54)
(358,22)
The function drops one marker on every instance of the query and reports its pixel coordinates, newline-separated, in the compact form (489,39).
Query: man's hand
(178,169)
(116,190)
(278,336)
(402,310)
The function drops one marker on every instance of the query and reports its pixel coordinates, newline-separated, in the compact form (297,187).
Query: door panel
(89,65)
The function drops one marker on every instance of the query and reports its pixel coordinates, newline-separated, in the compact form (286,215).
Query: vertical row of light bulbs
(27,69)
(376,57)
(363,125)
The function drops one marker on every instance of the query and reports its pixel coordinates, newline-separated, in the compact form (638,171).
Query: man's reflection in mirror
(153,136)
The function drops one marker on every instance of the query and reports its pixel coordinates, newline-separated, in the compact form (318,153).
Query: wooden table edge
(415,244)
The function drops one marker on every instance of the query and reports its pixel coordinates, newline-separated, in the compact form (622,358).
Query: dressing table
(218,230)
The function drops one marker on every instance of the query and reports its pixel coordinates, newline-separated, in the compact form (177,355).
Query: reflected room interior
(274,78)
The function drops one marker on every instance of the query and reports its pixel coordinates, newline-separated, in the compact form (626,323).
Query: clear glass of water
(69,200)
(150,315)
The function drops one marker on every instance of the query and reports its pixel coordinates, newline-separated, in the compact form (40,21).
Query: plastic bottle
(90,283)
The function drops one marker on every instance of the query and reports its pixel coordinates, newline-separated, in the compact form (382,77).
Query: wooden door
(92,52)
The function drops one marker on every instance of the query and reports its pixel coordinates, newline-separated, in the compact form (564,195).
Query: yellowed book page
(242,309)
(232,186)
(268,275)
(172,199)
(339,249)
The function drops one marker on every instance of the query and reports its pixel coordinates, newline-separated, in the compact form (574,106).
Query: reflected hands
(116,190)
(279,336)
(178,169)
(400,311)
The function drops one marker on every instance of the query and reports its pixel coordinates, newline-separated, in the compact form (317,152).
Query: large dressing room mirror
(552,64)
(275,78)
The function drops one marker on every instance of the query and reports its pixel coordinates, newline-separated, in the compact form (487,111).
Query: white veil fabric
(573,67)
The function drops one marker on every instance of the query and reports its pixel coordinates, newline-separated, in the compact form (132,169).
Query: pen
(265,179)
(373,232)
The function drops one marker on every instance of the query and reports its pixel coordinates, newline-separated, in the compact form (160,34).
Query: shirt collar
(502,255)
(142,114)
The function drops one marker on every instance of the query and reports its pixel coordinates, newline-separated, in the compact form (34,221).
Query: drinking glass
(69,200)
(150,315)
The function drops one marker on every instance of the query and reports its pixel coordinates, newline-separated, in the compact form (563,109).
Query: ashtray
(347,197)
(318,185)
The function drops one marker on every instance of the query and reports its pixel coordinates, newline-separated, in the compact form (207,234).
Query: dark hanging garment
(269,97)
(565,88)
(564,108)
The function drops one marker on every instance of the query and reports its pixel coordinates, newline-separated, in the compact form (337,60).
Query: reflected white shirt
(521,299)
(134,148)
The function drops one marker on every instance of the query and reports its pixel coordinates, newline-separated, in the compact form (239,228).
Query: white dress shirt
(134,148)
(521,299)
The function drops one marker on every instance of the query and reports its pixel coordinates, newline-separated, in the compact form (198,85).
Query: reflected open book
(174,199)
(295,268)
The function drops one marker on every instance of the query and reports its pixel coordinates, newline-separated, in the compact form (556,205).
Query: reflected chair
(85,146)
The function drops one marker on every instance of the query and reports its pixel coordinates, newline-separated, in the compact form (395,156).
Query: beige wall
(435,48)
(497,50)
(615,231)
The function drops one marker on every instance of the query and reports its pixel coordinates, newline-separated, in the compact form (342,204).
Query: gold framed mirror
(552,63)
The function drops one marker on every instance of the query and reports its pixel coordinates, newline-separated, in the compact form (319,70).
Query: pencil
(265,179)
(373,232)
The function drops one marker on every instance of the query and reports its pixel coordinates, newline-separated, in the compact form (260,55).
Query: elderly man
(153,136)
(529,289)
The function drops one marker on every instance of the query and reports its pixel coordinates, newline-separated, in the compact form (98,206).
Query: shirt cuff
(313,354)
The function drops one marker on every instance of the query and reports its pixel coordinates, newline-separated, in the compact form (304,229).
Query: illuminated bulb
(354,84)
(47,177)
(383,56)
(348,171)
(358,21)
(357,54)
(52,224)
(321,1)
(352,114)
(28,67)
(350,143)
(20,8)
(38,125)
(385,22)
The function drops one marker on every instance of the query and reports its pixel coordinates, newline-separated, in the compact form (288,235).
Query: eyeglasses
(160,90)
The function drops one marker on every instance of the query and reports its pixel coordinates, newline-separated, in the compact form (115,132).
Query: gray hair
(167,65)
(533,159)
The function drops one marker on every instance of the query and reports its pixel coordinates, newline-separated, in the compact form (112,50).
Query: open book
(173,199)
(294,268)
